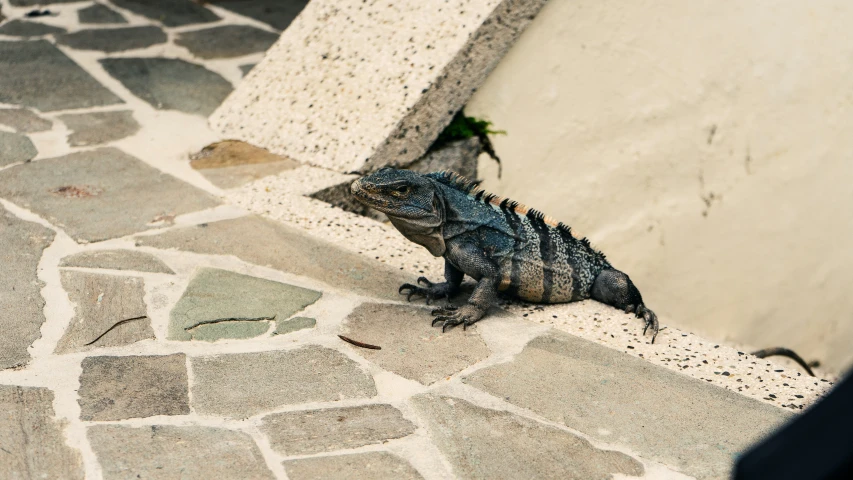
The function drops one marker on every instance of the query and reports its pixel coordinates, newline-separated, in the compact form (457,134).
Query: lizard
(506,247)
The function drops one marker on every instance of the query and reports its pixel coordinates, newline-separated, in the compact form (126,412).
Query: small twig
(785,352)
(359,344)
(120,322)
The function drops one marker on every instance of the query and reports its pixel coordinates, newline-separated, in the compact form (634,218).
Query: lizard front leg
(473,261)
(616,289)
(433,291)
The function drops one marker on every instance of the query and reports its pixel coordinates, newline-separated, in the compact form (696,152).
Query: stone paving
(174,312)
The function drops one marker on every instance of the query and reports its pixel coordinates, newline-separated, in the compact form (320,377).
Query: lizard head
(400,194)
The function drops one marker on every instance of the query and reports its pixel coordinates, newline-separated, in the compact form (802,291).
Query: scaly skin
(504,246)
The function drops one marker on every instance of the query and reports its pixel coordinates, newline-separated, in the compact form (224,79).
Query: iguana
(502,244)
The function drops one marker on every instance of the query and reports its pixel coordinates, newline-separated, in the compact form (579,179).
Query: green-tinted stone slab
(221,304)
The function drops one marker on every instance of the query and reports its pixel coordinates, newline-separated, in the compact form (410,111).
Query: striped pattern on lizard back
(549,263)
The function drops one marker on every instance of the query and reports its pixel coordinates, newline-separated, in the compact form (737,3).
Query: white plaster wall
(705,146)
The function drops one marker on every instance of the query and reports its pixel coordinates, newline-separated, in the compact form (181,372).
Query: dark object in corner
(815,445)
(785,352)
(39,13)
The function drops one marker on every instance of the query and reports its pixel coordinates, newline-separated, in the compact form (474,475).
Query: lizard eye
(402,189)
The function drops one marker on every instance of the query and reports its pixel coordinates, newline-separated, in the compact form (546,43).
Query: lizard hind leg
(616,289)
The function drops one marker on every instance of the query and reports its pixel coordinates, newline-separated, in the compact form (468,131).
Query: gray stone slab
(411,346)
(23,28)
(100,194)
(360,95)
(276,13)
(660,414)
(21,303)
(117,388)
(227,41)
(171,13)
(293,325)
(99,127)
(170,84)
(99,14)
(36,3)
(36,74)
(15,148)
(247,68)
(263,242)
(117,260)
(32,443)
(23,120)
(359,466)
(113,39)
(327,430)
(221,304)
(485,443)
(245,384)
(109,311)
(169,452)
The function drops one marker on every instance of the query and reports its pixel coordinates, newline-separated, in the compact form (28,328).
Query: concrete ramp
(354,85)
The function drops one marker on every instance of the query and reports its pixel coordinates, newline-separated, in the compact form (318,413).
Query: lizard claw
(451,316)
(651,320)
(430,291)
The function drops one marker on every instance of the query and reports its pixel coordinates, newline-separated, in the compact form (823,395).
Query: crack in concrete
(225,320)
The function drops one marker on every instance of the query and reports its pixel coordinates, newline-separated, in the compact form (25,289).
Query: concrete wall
(707,147)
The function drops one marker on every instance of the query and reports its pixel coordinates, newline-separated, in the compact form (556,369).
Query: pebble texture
(245,384)
(15,148)
(22,28)
(117,260)
(112,40)
(224,300)
(588,386)
(21,303)
(169,452)
(317,431)
(32,443)
(100,194)
(262,242)
(411,347)
(99,127)
(23,120)
(117,388)
(227,41)
(170,83)
(99,14)
(171,13)
(343,94)
(359,466)
(276,13)
(36,74)
(109,311)
(484,443)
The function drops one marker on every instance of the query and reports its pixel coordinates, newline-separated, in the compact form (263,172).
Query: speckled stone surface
(341,93)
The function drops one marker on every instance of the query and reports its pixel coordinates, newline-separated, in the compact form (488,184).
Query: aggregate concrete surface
(168,313)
